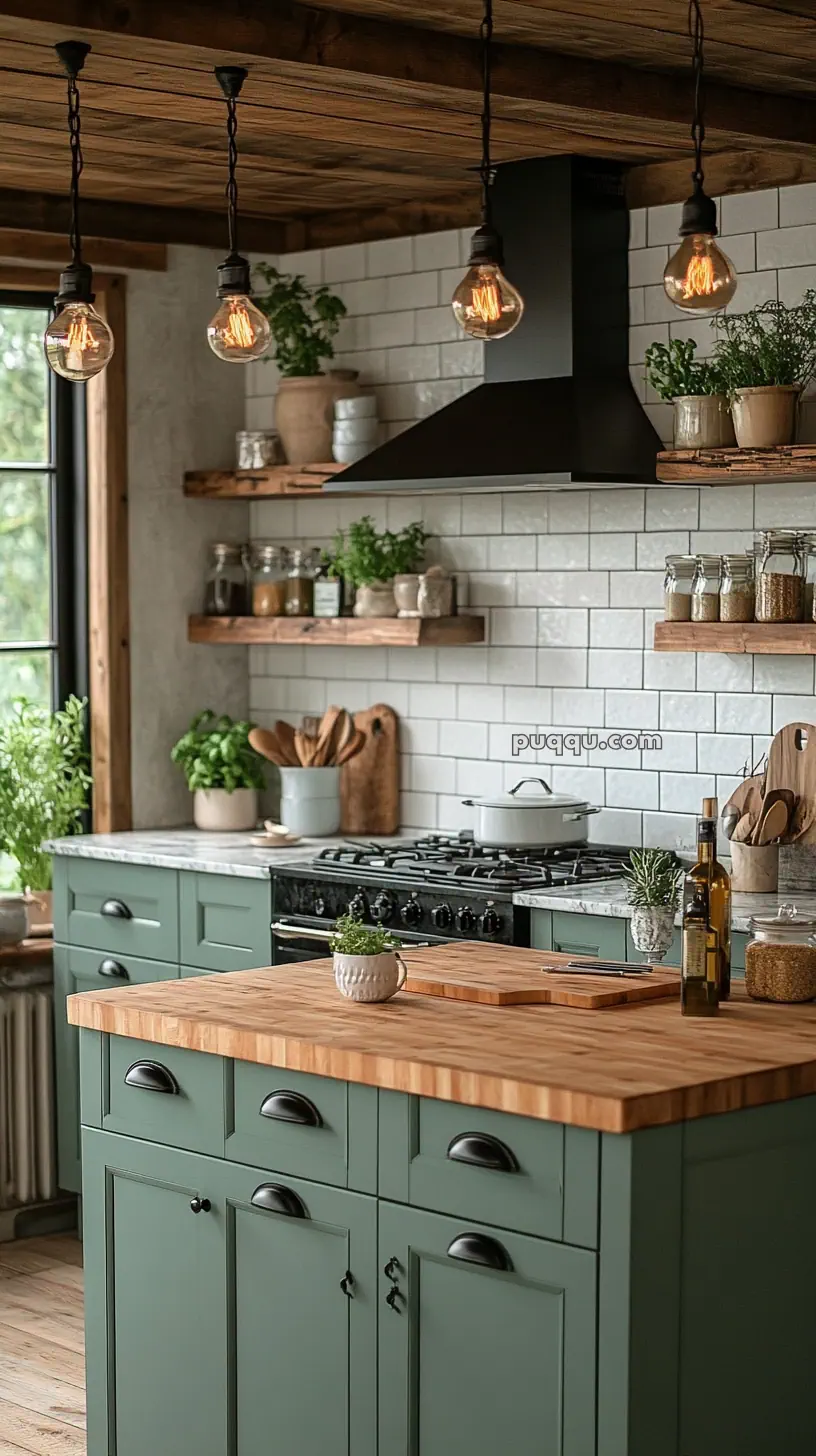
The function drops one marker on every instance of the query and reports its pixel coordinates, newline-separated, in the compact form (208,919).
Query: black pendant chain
(75,133)
(232,184)
(697,34)
(486,170)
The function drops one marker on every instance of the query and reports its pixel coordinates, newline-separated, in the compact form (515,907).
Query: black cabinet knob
(114,970)
(200,1205)
(383,908)
(491,922)
(480,1249)
(116,910)
(357,905)
(320,906)
(347,1284)
(411,912)
(465,920)
(442,916)
(286,1106)
(481,1150)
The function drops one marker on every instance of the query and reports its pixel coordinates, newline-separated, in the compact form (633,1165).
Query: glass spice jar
(705,590)
(780,582)
(225,588)
(677,588)
(737,588)
(780,957)
(809,607)
(268,580)
(300,585)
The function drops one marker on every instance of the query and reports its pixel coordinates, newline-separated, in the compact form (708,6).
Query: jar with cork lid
(705,589)
(677,588)
(781,571)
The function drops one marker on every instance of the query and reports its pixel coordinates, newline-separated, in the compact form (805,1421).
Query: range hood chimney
(557,407)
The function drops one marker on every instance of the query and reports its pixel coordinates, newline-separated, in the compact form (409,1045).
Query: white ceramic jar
(310,800)
(369,977)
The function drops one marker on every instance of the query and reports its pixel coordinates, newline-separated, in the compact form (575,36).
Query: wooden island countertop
(616,1070)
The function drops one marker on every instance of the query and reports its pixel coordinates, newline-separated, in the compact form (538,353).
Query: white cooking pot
(532,820)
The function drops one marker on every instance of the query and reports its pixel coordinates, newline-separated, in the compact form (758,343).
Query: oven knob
(319,906)
(490,923)
(411,913)
(357,906)
(383,907)
(465,920)
(442,916)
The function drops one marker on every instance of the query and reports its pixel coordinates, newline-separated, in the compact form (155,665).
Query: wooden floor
(42,1365)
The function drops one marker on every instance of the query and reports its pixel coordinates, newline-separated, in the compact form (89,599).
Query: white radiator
(28,1171)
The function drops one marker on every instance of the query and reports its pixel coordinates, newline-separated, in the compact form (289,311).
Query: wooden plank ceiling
(354,123)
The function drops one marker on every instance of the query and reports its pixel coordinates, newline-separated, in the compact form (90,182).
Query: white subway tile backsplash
(632,789)
(611,628)
(569,511)
(609,668)
(563,553)
(616,510)
(584,706)
(749,212)
(528,705)
(672,510)
(783,674)
(492,588)
(481,515)
(669,670)
(411,290)
(463,740)
(724,672)
(388,256)
(432,700)
(635,589)
(683,793)
(513,626)
(690,712)
(670,831)
(516,553)
(723,753)
(654,546)
(436,250)
(677,753)
(562,667)
(564,588)
(616,826)
(727,508)
(512,665)
(525,513)
(430,775)
(563,626)
(791,710)
(612,552)
(483,704)
(743,713)
(461,664)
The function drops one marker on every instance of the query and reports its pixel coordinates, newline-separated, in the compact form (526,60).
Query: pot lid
(538,795)
(786,918)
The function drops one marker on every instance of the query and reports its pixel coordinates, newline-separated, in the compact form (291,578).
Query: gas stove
(441,887)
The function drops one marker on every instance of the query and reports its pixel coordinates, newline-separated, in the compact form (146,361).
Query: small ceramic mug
(369,977)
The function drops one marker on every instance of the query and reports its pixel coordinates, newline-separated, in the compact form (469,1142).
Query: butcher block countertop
(617,1070)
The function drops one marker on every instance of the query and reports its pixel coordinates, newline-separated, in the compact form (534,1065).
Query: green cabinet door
(225,922)
(589,935)
(480,1358)
(155,1298)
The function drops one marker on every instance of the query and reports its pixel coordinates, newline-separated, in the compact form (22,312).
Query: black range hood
(557,407)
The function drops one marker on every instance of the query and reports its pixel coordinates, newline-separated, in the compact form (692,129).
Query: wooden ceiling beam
(725,172)
(329,229)
(38,212)
(40,247)
(321,41)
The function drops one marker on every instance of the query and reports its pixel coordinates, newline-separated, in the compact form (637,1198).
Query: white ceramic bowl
(350,454)
(355,432)
(356,407)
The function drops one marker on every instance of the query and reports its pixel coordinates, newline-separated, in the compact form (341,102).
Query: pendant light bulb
(699,278)
(239,332)
(485,304)
(78,342)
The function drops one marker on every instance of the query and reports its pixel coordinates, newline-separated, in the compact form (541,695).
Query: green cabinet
(490,1345)
(225,922)
(577,934)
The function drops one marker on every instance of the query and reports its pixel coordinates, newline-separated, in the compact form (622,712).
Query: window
(43,591)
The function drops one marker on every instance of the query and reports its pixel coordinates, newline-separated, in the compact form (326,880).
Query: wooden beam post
(725,173)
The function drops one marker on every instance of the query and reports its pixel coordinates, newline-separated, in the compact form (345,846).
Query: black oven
(306,938)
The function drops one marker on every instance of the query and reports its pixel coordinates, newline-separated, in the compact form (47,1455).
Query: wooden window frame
(108,584)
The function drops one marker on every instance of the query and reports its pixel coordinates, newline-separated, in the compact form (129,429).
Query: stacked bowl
(356,428)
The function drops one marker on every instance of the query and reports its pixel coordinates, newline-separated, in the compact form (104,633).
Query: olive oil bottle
(698,987)
(710,872)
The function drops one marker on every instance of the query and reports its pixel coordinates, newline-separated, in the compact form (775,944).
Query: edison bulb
(485,304)
(239,332)
(699,278)
(78,343)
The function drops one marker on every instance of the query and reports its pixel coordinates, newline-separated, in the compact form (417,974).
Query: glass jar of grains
(677,588)
(809,608)
(705,590)
(268,580)
(780,957)
(737,588)
(780,582)
(300,585)
(225,588)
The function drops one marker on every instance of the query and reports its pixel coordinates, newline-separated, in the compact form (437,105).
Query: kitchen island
(431,1228)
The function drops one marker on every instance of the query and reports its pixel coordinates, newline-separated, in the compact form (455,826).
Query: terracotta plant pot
(304,413)
(765,415)
(702,422)
(652,929)
(375,600)
(223,813)
(369,977)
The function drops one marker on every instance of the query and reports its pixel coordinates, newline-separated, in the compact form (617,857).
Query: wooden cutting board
(792,765)
(370,783)
(500,976)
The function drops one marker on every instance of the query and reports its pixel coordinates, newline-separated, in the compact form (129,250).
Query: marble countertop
(608,897)
(192,849)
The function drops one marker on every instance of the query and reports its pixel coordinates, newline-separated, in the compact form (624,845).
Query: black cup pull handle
(286,1106)
(274,1198)
(483,1151)
(347,1284)
(152,1077)
(114,970)
(116,910)
(479,1249)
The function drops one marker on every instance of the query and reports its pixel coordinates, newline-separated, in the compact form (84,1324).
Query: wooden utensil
(774,796)
(747,798)
(285,734)
(772,825)
(344,732)
(352,748)
(305,747)
(742,833)
(325,745)
(369,782)
(265,742)
(490,976)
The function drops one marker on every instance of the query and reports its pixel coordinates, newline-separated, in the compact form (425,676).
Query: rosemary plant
(651,877)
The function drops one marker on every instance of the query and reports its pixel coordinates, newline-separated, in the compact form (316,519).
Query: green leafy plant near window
(44,783)
(651,877)
(352,937)
(304,320)
(215,753)
(674,372)
(364,555)
(771,344)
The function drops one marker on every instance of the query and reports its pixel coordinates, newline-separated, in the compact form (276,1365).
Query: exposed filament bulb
(239,331)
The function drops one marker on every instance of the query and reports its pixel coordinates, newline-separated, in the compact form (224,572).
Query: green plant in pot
(766,358)
(44,791)
(701,412)
(223,772)
(367,965)
(651,877)
(372,561)
(304,320)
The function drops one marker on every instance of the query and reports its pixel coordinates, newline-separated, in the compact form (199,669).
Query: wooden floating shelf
(276,480)
(786,639)
(340,631)
(737,467)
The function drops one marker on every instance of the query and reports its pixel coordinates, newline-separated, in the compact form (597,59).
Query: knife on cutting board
(597,968)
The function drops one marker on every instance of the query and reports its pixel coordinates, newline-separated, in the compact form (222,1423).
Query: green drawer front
(593,935)
(225,922)
(550,1188)
(78,970)
(316,1147)
(120,908)
(190,1116)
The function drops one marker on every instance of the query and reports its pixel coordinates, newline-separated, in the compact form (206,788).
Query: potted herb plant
(701,413)
(44,787)
(370,560)
(765,359)
(367,965)
(651,883)
(304,321)
(222,770)
(407,552)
